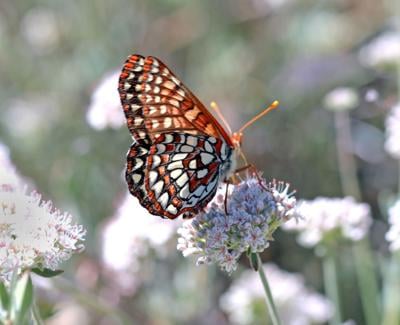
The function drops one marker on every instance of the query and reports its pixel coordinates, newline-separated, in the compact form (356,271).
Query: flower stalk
(363,259)
(331,285)
(268,295)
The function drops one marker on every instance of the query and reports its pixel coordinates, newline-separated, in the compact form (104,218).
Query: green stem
(331,286)
(37,319)
(364,263)
(391,292)
(367,282)
(347,164)
(92,301)
(270,301)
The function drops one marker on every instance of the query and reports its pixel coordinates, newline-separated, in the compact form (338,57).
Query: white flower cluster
(127,237)
(105,107)
(393,235)
(330,218)
(255,211)
(392,144)
(383,51)
(32,233)
(295,303)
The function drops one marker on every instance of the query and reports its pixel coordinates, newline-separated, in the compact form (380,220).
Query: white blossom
(383,51)
(105,107)
(127,237)
(295,303)
(33,234)
(392,144)
(255,211)
(8,174)
(393,235)
(330,217)
(341,99)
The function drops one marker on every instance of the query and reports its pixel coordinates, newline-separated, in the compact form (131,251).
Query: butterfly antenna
(215,107)
(271,107)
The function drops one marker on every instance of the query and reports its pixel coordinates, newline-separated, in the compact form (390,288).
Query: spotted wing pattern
(155,101)
(178,174)
(180,152)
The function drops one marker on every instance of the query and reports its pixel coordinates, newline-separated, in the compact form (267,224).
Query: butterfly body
(180,152)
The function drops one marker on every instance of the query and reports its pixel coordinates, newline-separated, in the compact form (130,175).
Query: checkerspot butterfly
(180,152)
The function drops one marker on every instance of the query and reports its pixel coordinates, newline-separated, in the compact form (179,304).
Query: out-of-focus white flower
(128,236)
(330,218)
(40,29)
(384,51)
(341,99)
(105,107)
(393,235)
(8,174)
(34,234)
(296,304)
(255,209)
(392,144)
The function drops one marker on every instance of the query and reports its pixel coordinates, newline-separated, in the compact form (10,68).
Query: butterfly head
(236,139)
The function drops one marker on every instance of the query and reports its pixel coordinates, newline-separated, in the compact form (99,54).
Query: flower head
(255,211)
(33,234)
(105,107)
(325,219)
(127,237)
(383,51)
(296,304)
(392,144)
(393,235)
(341,99)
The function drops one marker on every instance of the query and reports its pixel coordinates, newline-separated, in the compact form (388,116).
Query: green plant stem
(93,302)
(367,283)
(270,301)
(37,319)
(331,286)
(391,292)
(363,259)
(346,162)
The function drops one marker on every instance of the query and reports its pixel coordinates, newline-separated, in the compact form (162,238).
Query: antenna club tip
(275,104)
(213,104)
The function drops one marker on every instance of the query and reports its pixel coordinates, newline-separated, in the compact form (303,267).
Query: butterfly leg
(252,168)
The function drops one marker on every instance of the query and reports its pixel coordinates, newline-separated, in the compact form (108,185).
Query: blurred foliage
(241,54)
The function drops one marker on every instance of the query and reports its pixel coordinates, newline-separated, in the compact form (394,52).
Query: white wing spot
(186,148)
(184,192)
(181,181)
(212,140)
(153,175)
(193,164)
(201,173)
(156,161)
(169,138)
(157,188)
(172,209)
(127,85)
(164,199)
(175,165)
(208,147)
(136,178)
(167,122)
(176,173)
(161,148)
(179,156)
(206,158)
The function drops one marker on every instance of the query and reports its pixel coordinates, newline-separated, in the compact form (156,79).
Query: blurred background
(61,120)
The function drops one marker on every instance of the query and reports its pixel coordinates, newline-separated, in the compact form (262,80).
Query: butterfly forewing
(181,152)
(155,101)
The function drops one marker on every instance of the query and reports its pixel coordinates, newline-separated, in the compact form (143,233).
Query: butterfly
(180,153)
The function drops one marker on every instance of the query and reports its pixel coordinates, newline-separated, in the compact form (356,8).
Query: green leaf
(22,298)
(4,297)
(47,273)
